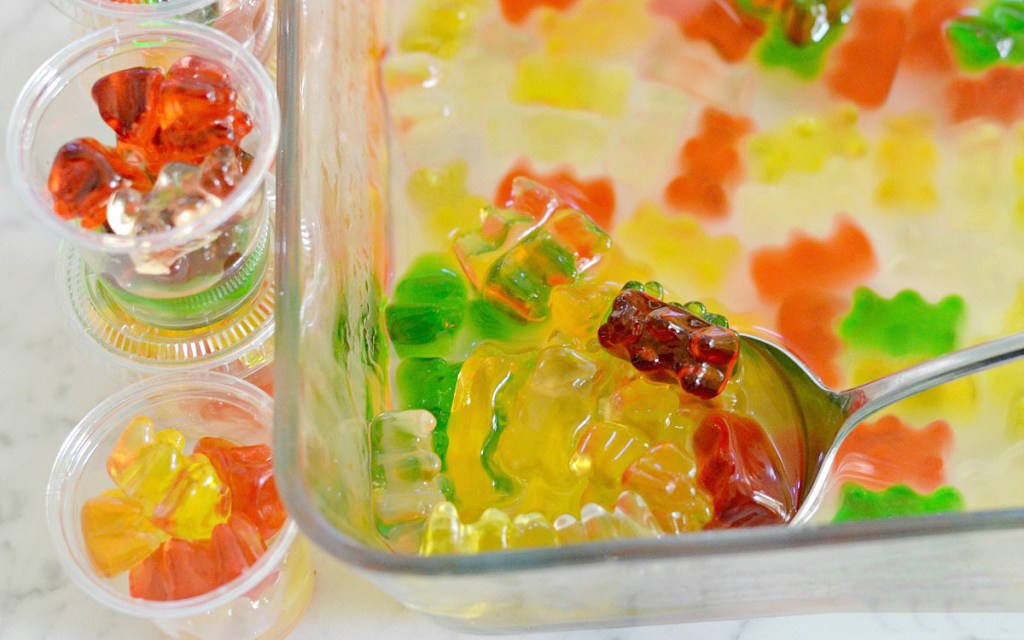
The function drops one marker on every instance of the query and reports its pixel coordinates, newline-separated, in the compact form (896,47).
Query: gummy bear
(197,113)
(905,324)
(805,143)
(572,83)
(992,36)
(867,60)
(182,569)
(442,197)
(842,260)
(145,463)
(665,477)
(248,472)
(483,399)
(196,502)
(711,163)
(126,100)
(998,94)
(596,28)
(405,471)
(84,177)
(427,308)
(739,467)
(603,452)
(596,196)
(667,343)
(642,405)
(429,383)
(801,33)
(499,230)
(888,451)
(720,23)
(439,27)
(907,160)
(576,313)
(117,533)
(516,11)
(895,502)
(807,321)
(557,252)
(927,48)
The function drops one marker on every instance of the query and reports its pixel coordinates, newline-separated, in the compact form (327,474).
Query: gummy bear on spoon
(829,416)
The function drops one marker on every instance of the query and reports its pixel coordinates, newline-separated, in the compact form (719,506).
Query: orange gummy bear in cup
(867,60)
(880,454)
(711,162)
(841,261)
(595,197)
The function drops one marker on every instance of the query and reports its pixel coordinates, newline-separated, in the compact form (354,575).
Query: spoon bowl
(828,416)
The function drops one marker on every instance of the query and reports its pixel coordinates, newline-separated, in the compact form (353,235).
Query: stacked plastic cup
(265,600)
(250,22)
(198,295)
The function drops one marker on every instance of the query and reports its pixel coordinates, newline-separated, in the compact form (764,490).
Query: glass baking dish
(335,261)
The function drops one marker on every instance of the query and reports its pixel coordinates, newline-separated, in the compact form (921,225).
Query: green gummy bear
(994,36)
(897,501)
(428,307)
(805,59)
(905,325)
(429,383)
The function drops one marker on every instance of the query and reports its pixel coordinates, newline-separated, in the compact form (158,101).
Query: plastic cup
(214,263)
(250,22)
(268,599)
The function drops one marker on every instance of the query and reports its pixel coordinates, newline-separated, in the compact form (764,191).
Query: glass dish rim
(122,10)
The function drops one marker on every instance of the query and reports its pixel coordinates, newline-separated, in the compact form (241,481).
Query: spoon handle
(873,396)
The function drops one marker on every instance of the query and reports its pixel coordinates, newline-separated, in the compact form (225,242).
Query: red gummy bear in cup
(739,467)
(126,100)
(249,475)
(188,568)
(84,175)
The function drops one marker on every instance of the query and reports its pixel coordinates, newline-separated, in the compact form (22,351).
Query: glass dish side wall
(331,371)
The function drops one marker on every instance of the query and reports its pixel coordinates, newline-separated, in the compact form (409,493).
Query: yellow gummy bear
(196,503)
(439,27)
(603,452)
(117,533)
(907,160)
(571,83)
(144,463)
(596,27)
(442,197)
(805,143)
(685,257)
(577,311)
(484,392)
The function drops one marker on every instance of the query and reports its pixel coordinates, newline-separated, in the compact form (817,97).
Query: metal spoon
(829,416)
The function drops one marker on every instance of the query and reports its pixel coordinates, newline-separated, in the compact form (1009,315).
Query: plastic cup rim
(123,10)
(61,519)
(48,81)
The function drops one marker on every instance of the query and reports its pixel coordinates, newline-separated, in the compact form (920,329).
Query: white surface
(46,385)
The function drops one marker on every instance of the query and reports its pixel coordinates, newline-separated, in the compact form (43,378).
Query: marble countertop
(47,384)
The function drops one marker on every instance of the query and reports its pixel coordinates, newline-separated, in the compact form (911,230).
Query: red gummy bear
(197,110)
(126,100)
(249,474)
(739,467)
(188,568)
(84,175)
(667,343)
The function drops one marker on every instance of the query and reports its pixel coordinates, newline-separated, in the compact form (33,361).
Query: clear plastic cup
(250,22)
(205,269)
(268,599)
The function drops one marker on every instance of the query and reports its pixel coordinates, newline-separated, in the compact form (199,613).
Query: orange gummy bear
(248,471)
(724,26)
(83,177)
(516,11)
(188,568)
(867,60)
(841,261)
(594,197)
(710,163)
(927,48)
(998,94)
(806,320)
(880,454)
